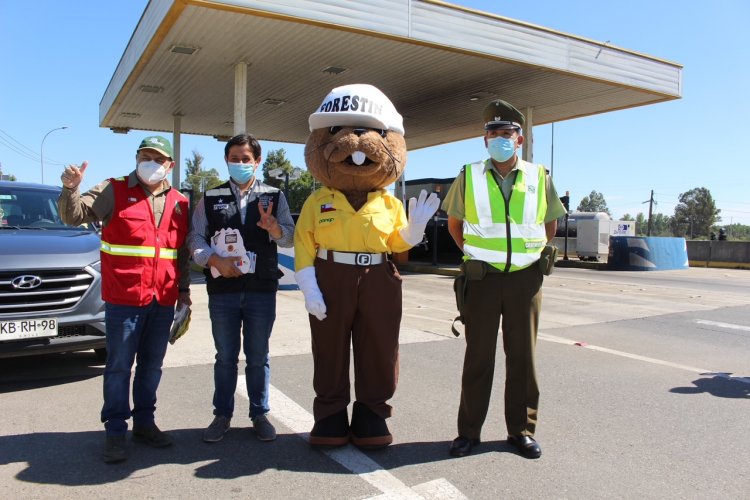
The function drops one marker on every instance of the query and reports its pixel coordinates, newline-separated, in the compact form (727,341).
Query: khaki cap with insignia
(500,114)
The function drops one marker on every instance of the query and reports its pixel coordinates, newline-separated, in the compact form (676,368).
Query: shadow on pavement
(721,385)
(48,370)
(402,454)
(74,458)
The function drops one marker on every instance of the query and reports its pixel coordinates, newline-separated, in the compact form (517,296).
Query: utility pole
(651,204)
(552,154)
(650,212)
(566,203)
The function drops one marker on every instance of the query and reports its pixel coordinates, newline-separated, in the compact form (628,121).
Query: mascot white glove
(420,212)
(308,283)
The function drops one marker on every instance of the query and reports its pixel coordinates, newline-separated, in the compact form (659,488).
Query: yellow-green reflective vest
(509,234)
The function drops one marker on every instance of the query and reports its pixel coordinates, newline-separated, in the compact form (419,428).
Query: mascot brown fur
(344,234)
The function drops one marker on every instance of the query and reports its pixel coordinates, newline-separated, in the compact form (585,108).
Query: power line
(17,141)
(17,150)
(23,150)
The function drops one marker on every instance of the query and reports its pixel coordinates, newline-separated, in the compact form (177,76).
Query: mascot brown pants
(363,308)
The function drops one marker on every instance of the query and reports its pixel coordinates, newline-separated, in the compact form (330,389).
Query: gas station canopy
(217,68)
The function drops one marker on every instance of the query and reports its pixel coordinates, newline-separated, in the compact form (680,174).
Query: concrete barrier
(631,253)
(728,254)
(701,253)
(286,265)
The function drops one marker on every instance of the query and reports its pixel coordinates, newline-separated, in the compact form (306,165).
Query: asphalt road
(645,392)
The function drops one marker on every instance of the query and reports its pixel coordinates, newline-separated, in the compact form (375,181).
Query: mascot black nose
(359,131)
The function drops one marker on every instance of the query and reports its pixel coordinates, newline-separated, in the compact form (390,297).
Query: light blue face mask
(501,149)
(241,172)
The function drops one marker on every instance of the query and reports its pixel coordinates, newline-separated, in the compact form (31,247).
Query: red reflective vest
(139,260)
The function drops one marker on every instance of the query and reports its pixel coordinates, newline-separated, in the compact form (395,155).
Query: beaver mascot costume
(342,241)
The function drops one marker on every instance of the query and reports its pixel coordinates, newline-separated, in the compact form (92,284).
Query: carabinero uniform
(504,234)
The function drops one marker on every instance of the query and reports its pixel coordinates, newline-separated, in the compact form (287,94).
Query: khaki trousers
(516,299)
(363,309)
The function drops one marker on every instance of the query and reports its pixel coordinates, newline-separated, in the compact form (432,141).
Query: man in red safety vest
(145,271)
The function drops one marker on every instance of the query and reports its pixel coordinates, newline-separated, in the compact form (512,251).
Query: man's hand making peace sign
(268,221)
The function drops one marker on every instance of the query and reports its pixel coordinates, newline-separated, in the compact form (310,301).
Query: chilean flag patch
(328,207)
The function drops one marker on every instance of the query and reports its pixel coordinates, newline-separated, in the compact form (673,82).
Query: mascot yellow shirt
(328,221)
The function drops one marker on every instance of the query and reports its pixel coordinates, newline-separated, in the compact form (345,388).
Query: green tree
(736,231)
(661,225)
(594,202)
(696,213)
(641,224)
(276,158)
(198,179)
(299,189)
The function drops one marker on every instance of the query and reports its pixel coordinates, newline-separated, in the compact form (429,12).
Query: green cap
(500,115)
(157,143)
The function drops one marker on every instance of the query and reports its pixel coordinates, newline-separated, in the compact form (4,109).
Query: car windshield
(31,208)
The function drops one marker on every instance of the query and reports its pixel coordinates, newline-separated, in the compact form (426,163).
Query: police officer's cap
(500,114)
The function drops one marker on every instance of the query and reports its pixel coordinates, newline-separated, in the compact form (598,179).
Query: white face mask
(151,172)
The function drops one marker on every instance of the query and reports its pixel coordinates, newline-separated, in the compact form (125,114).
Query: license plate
(28,328)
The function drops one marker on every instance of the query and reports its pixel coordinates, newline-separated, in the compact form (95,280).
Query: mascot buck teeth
(343,237)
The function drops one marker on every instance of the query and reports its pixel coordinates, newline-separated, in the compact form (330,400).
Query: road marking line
(439,489)
(723,325)
(562,340)
(299,421)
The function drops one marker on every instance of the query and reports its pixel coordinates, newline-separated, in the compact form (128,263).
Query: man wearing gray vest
(501,213)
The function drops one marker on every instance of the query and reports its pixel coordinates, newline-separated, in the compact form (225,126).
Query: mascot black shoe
(331,431)
(368,429)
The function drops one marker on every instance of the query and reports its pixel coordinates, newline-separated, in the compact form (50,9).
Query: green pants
(516,299)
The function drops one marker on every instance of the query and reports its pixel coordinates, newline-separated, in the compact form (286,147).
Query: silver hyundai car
(50,296)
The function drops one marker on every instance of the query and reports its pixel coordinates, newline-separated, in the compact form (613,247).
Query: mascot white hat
(357,105)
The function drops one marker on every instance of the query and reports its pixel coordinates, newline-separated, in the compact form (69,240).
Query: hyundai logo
(26,282)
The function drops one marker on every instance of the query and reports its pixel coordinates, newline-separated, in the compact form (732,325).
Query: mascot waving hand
(344,234)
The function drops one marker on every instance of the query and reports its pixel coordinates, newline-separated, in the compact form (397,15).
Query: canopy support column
(528,136)
(176,133)
(240,98)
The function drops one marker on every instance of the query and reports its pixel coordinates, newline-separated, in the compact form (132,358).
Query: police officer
(501,213)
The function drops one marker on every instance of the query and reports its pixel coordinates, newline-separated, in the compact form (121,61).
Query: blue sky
(58,58)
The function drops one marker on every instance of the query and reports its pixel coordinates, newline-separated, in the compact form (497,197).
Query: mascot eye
(334,130)
(382,133)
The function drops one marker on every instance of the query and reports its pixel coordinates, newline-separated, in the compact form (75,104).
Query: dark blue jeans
(137,334)
(248,316)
